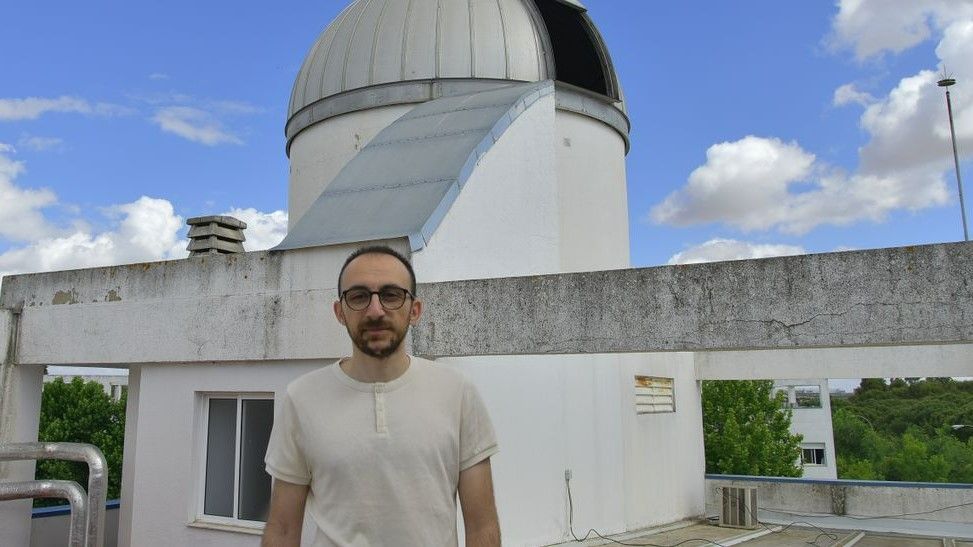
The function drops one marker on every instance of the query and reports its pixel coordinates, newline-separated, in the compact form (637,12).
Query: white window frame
(198,518)
(815,446)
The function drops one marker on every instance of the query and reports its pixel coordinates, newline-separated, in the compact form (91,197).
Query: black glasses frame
(371,293)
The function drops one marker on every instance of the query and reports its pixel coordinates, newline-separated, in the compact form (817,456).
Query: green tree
(81,412)
(746,430)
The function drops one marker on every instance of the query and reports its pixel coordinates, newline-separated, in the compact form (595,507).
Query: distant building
(113,384)
(810,404)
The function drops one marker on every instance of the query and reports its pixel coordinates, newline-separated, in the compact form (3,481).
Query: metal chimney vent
(215,235)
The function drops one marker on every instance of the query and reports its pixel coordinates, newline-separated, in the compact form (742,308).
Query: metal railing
(68,490)
(87,512)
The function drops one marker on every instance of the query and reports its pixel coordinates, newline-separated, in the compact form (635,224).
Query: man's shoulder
(312,382)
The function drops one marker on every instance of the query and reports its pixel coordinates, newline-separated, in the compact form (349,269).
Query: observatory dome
(382,52)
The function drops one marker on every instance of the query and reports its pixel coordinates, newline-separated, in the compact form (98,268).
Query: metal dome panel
(382,41)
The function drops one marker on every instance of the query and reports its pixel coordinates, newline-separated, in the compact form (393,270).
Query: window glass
(220,457)
(807,396)
(812,456)
(258,418)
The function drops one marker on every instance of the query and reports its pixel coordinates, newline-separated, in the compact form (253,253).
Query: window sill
(240,528)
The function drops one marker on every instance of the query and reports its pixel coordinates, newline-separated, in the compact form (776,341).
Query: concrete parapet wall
(276,305)
(907,295)
(248,306)
(916,501)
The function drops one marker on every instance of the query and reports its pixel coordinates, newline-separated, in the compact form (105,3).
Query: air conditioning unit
(739,507)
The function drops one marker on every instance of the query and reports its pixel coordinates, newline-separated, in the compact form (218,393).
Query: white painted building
(487,139)
(810,404)
(112,384)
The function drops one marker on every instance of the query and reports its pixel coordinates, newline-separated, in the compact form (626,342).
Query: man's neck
(368,369)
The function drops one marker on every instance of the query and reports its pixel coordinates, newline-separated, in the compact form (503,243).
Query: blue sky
(759,127)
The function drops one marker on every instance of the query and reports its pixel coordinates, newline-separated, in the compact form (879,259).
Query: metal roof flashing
(404,181)
(574,4)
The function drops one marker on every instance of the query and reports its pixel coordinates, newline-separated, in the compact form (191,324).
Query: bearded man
(377,446)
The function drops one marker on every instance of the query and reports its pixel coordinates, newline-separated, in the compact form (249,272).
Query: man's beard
(381,353)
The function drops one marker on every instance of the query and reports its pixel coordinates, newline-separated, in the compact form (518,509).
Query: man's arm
(479,508)
(286,517)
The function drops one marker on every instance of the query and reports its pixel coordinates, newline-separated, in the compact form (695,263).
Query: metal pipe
(97,476)
(68,490)
(946,82)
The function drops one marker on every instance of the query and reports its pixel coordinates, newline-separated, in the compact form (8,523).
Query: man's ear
(339,312)
(415,311)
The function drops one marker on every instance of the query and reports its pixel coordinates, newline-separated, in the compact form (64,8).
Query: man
(377,445)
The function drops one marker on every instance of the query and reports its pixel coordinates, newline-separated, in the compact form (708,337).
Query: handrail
(97,476)
(68,490)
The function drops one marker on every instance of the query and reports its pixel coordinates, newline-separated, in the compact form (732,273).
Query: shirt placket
(381,423)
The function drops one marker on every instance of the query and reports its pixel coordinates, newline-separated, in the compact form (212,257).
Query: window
(800,396)
(812,454)
(654,395)
(235,430)
(580,56)
(807,396)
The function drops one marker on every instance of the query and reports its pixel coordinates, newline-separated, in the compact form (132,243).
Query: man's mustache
(375,324)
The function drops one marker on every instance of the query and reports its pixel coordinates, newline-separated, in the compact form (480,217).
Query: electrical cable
(853,517)
(595,532)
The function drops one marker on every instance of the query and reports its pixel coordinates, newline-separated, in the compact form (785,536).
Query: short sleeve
(285,457)
(477,438)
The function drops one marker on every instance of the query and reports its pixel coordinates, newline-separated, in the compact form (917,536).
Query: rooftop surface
(809,531)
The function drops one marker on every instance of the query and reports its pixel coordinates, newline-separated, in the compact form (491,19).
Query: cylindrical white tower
(380,58)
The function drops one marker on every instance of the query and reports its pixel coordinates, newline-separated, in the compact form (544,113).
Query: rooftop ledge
(264,306)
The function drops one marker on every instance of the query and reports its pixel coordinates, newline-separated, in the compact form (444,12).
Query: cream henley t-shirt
(382,459)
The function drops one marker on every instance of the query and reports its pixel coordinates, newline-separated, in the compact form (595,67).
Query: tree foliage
(902,431)
(746,430)
(79,411)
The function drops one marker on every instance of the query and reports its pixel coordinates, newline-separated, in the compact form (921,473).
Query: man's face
(375,331)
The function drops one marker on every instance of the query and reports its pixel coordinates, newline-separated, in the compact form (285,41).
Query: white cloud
(873,27)
(264,230)
(759,183)
(20,208)
(848,94)
(194,124)
(144,230)
(718,250)
(40,144)
(32,108)
(158,76)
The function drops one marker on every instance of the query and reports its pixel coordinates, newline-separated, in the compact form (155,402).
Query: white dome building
(463,126)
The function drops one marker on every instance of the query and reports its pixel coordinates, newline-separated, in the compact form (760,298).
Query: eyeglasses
(391,298)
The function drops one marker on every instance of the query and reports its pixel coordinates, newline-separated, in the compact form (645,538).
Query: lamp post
(946,82)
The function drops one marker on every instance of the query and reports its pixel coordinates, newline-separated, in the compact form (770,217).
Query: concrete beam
(240,307)
(883,297)
(276,306)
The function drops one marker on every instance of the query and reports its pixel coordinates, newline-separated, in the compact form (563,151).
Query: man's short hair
(380,250)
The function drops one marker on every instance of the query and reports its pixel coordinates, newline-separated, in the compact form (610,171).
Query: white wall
(20,410)
(165,482)
(319,152)
(557,412)
(665,461)
(505,220)
(592,194)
